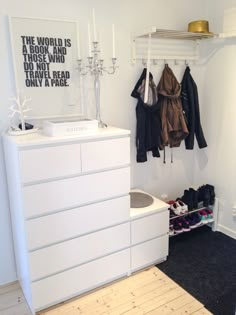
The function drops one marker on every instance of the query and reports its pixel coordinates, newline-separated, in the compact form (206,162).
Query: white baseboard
(226,231)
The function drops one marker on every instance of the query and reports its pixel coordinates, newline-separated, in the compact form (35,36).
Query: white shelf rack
(213,225)
(173,34)
(161,44)
(228,35)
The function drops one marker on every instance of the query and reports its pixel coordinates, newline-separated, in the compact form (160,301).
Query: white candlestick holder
(96,68)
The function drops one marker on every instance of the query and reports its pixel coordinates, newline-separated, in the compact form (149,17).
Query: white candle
(94,27)
(100,44)
(78,41)
(89,40)
(113,42)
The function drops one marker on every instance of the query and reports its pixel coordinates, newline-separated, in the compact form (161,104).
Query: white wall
(118,108)
(218,165)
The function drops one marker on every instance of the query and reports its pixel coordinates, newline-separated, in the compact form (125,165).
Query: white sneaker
(183,206)
(176,208)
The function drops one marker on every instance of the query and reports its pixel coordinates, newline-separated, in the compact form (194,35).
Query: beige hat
(200,26)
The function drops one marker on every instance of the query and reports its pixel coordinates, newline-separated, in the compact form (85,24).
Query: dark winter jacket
(190,103)
(148,119)
(173,125)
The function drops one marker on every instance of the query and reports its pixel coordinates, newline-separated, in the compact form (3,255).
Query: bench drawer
(149,252)
(149,227)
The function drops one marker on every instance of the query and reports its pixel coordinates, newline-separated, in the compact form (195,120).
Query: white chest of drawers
(69,200)
(72,224)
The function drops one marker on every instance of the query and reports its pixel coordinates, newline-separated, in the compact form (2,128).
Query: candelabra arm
(113,67)
(80,66)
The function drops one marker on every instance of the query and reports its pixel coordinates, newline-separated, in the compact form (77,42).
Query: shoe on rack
(183,206)
(212,193)
(171,230)
(185,224)
(178,227)
(204,195)
(194,197)
(210,217)
(172,214)
(187,198)
(194,220)
(204,216)
(176,208)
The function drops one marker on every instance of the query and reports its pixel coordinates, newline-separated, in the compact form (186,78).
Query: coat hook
(155,62)
(144,62)
(186,62)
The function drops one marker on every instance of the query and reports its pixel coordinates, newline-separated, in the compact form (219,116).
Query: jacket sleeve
(188,107)
(198,127)
(191,107)
(140,134)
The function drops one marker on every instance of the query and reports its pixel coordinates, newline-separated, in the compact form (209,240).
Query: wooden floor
(148,292)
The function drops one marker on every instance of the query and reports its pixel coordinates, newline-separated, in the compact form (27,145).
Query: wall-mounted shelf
(161,44)
(228,35)
(173,34)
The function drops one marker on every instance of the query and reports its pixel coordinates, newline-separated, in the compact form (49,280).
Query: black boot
(212,193)
(194,198)
(184,198)
(200,193)
(206,197)
(188,199)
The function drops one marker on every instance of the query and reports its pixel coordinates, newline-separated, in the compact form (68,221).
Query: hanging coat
(190,103)
(173,125)
(148,119)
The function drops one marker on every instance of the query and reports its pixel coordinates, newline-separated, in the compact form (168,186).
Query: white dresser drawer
(149,252)
(75,281)
(67,224)
(49,162)
(71,192)
(78,251)
(149,227)
(105,154)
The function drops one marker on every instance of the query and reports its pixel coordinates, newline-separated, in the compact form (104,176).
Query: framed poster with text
(45,54)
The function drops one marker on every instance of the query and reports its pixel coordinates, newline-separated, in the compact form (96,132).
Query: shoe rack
(212,225)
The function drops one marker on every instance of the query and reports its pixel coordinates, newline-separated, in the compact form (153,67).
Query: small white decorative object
(20,108)
(69,128)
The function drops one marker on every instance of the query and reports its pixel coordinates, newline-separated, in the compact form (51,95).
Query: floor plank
(148,292)
(20,309)
(202,311)
(9,287)
(11,298)
(189,308)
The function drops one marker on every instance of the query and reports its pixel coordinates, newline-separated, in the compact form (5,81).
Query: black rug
(204,264)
